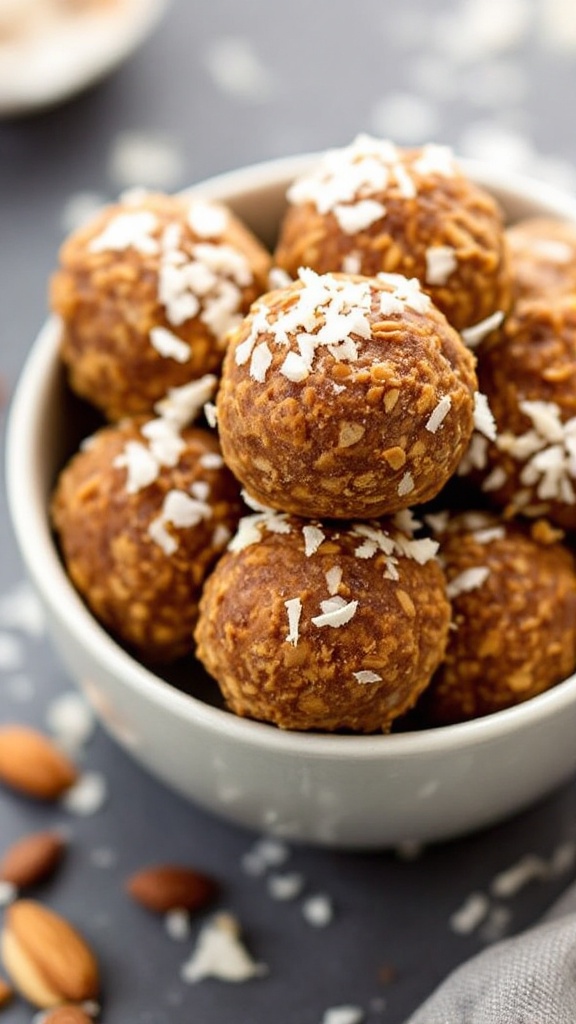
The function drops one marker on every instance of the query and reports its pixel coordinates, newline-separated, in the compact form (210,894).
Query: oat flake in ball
(347,397)
(317,627)
(513,594)
(372,207)
(146,292)
(141,514)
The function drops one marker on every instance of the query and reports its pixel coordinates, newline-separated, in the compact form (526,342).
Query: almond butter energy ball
(513,595)
(529,377)
(311,626)
(542,257)
(146,292)
(374,207)
(345,397)
(142,512)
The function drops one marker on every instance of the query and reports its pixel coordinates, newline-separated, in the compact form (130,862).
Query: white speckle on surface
(314,536)
(359,215)
(343,1015)
(219,953)
(408,118)
(472,912)
(287,886)
(318,910)
(169,345)
(8,893)
(177,924)
(103,857)
(79,208)
(87,796)
(236,69)
(181,511)
(11,652)
(211,414)
(207,220)
(264,854)
(406,485)
(528,869)
(71,720)
(260,362)
(334,579)
(20,608)
(143,158)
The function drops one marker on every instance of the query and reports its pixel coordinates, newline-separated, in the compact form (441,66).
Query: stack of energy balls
(401,347)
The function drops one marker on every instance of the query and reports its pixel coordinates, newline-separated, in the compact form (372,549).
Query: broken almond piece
(32,859)
(32,764)
(47,960)
(170,887)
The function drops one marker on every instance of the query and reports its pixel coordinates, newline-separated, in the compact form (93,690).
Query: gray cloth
(529,979)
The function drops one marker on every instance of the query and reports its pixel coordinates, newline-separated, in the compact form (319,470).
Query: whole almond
(167,887)
(46,958)
(31,763)
(32,859)
(6,993)
(67,1015)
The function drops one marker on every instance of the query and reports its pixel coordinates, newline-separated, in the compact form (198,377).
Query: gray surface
(328,67)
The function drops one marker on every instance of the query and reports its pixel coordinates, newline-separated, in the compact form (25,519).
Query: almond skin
(167,887)
(47,960)
(32,764)
(6,993)
(32,859)
(67,1015)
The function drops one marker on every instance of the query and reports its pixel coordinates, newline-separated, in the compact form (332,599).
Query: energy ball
(529,378)
(513,594)
(345,397)
(374,207)
(542,258)
(142,512)
(146,293)
(315,626)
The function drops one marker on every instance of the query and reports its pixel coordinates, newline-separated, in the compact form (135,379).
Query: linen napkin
(528,979)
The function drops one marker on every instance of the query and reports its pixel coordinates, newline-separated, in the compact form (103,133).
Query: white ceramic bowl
(349,791)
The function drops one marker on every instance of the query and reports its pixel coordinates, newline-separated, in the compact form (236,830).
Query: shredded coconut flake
(334,579)
(406,485)
(207,220)
(472,336)
(318,910)
(470,914)
(358,216)
(182,405)
(294,608)
(441,262)
(219,953)
(211,460)
(337,616)
(169,345)
(483,419)
(439,414)
(134,230)
(180,510)
(469,579)
(365,676)
(313,538)
(260,362)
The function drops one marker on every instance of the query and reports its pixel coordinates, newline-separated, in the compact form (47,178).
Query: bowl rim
(30,523)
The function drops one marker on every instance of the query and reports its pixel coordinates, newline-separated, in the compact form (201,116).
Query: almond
(67,1015)
(32,764)
(6,993)
(32,859)
(167,887)
(46,958)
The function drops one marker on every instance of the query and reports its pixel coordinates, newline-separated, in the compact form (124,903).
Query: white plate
(53,57)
